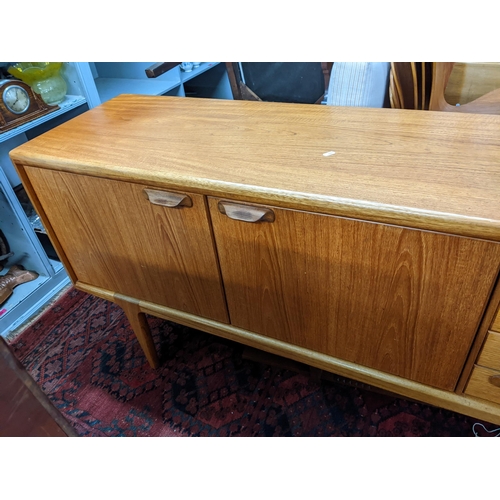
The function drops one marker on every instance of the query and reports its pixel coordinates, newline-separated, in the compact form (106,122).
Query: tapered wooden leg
(141,329)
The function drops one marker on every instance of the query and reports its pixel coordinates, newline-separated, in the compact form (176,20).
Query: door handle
(166,199)
(495,380)
(246,213)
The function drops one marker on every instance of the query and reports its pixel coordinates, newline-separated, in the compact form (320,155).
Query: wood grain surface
(116,239)
(486,104)
(495,326)
(403,301)
(140,326)
(432,170)
(482,333)
(25,411)
(480,385)
(403,72)
(490,353)
(471,80)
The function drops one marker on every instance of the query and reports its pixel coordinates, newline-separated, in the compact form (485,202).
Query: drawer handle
(170,200)
(495,380)
(246,213)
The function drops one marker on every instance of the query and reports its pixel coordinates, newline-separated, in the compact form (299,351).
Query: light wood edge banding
(466,405)
(343,207)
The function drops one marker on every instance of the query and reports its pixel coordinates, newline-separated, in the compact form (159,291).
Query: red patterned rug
(84,356)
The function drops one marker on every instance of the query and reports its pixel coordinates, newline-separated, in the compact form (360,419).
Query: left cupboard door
(149,244)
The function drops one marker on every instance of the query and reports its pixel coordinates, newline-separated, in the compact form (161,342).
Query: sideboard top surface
(429,170)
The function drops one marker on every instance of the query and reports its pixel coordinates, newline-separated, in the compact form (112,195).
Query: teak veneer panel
(431,170)
(403,301)
(114,238)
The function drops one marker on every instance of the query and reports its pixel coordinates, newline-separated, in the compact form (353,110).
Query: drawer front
(496,322)
(490,354)
(485,384)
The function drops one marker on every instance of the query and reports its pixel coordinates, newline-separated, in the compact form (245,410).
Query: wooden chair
(423,86)
(441,71)
(280,82)
(159,68)
(410,85)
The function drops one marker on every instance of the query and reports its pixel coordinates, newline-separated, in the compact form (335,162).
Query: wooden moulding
(466,405)
(448,223)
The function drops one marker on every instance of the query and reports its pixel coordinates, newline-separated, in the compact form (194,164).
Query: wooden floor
(25,411)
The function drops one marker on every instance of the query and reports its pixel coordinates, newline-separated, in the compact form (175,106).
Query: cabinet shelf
(70,102)
(204,66)
(20,292)
(113,79)
(108,88)
(26,299)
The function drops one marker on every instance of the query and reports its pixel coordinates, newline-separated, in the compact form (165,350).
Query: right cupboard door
(403,301)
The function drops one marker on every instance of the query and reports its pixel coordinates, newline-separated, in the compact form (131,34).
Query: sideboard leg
(141,329)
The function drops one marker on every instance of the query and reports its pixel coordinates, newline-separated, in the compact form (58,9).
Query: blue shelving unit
(89,84)
(19,231)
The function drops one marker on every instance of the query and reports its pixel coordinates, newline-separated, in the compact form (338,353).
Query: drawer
(489,356)
(495,326)
(484,383)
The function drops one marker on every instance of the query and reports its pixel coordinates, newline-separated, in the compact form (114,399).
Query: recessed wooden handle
(246,213)
(166,199)
(495,380)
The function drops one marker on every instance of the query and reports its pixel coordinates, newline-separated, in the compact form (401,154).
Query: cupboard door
(403,301)
(155,246)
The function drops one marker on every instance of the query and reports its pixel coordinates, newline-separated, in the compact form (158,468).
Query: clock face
(16,99)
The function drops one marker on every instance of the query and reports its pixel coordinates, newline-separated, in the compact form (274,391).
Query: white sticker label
(329,153)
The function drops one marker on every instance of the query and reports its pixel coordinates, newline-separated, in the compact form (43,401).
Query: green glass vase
(44,78)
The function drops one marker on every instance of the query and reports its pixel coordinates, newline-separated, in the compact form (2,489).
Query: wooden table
(360,241)
(25,411)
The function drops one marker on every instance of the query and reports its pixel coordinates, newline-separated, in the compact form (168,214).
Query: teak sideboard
(360,241)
